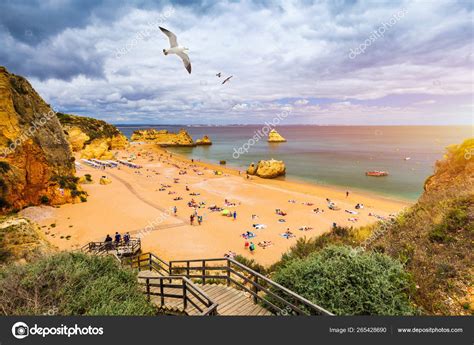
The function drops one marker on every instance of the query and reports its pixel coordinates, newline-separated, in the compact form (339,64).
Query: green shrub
(250,263)
(72,284)
(44,199)
(347,282)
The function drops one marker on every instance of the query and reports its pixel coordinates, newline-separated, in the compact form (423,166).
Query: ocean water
(334,155)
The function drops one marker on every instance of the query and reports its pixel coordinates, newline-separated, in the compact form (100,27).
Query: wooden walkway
(231,302)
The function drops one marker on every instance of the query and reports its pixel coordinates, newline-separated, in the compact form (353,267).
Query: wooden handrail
(256,279)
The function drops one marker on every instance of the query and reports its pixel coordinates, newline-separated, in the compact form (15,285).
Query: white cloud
(290,51)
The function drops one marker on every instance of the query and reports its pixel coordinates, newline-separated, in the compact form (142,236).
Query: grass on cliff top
(92,127)
(21,240)
(72,284)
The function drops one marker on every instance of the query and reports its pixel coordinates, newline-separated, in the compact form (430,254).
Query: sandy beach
(140,201)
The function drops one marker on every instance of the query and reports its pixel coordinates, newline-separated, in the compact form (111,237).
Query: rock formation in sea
(204,141)
(267,169)
(36,162)
(163,137)
(275,137)
(91,137)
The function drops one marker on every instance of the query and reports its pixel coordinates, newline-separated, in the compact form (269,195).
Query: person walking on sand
(347,194)
(252,247)
(246,245)
(235,215)
(191,219)
(175,211)
(199,220)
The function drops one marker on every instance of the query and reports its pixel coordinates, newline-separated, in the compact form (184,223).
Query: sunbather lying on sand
(352,212)
(248,235)
(230,255)
(288,234)
(265,244)
(305,228)
(352,219)
(259,226)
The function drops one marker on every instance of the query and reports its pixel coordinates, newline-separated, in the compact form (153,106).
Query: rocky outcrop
(275,137)
(267,169)
(21,240)
(204,141)
(91,137)
(34,153)
(163,137)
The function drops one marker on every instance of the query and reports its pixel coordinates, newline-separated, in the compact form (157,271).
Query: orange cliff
(36,162)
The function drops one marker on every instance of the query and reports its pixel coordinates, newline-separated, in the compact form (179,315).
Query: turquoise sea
(334,155)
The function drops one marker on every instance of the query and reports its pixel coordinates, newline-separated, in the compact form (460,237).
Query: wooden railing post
(185,297)
(149,262)
(162,292)
(255,300)
(187,269)
(148,288)
(228,272)
(203,272)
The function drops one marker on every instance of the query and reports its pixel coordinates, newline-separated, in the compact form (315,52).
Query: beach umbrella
(225,212)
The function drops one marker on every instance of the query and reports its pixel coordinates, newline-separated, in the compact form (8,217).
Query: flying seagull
(175,49)
(218,74)
(227,79)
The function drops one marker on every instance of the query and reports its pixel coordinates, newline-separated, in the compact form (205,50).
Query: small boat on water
(376,173)
(407,158)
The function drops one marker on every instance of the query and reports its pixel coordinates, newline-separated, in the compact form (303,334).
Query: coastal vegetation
(72,284)
(348,282)
(432,242)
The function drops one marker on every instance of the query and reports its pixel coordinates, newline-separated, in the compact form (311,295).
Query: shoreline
(297,184)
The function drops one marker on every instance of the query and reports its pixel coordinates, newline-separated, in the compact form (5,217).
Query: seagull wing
(171,37)
(186,61)
(227,79)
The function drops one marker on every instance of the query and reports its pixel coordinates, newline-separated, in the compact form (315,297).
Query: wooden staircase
(220,286)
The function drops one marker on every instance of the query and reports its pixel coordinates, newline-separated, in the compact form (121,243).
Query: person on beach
(191,219)
(126,237)
(175,211)
(252,247)
(199,220)
(235,215)
(347,194)
(246,245)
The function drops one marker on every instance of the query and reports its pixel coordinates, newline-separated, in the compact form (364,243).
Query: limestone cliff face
(163,137)
(275,137)
(34,154)
(204,141)
(267,169)
(91,137)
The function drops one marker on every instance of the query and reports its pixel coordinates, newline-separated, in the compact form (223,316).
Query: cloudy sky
(336,62)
